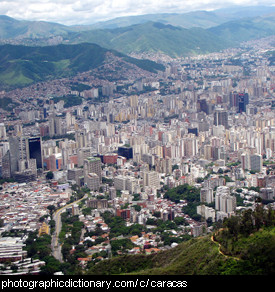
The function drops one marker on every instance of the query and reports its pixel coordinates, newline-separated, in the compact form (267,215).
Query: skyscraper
(221,118)
(92,165)
(126,152)
(243,101)
(55,128)
(18,151)
(256,163)
(35,150)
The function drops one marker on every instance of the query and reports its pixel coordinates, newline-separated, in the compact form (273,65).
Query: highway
(56,247)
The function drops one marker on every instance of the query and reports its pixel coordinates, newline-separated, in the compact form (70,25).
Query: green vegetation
(188,193)
(80,87)
(40,248)
(245,29)
(7,103)
(154,37)
(183,192)
(23,65)
(247,252)
(118,226)
(196,256)
(69,100)
(122,245)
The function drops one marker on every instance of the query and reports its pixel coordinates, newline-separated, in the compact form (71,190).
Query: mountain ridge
(154,37)
(10,27)
(24,65)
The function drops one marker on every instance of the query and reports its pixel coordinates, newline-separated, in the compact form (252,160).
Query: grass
(252,255)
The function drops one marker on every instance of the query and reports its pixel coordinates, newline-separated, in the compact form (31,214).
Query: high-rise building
(151,179)
(3,134)
(133,100)
(92,165)
(243,101)
(92,181)
(221,118)
(55,128)
(82,154)
(81,139)
(256,162)
(126,152)
(224,201)
(206,195)
(18,151)
(75,174)
(6,165)
(245,161)
(239,101)
(120,182)
(35,150)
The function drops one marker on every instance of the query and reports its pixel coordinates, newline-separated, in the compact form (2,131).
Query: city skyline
(104,155)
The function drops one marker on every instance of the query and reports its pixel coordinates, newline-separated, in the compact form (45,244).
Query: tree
(137,207)
(179,220)
(233,225)
(246,224)
(220,171)
(49,175)
(51,208)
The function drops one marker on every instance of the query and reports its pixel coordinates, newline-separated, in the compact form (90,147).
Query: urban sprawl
(106,145)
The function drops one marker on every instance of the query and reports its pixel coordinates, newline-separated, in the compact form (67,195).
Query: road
(56,246)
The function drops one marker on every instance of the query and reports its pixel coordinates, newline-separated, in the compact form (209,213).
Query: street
(56,246)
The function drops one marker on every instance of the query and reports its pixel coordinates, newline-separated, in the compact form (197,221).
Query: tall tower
(243,101)
(35,150)
(55,125)
(92,165)
(18,151)
(221,118)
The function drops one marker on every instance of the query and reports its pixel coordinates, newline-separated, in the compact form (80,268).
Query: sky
(73,12)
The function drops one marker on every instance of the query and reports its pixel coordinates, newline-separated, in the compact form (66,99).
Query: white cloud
(72,12)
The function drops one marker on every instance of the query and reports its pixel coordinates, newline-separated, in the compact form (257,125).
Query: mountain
(200,18)
(186,34)
(199,256)
(239,248)
(237,12)
(246,29)
(11,28)
(153,37)
(23,65)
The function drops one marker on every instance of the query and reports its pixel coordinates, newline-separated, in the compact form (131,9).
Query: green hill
(245,246)
(173,34)
(203,19)
(177,41)
(200,18)
(11,28)
(23,65)
(154,37)
(196,256)
(246,29)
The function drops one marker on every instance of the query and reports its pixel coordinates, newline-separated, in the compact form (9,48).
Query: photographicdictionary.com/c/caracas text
(45,284)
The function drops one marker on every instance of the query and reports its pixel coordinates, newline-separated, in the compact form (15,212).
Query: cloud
(71,12)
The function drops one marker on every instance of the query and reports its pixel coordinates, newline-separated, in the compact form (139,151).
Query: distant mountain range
(23,65)
(154,37)
(203,19)
(85,47)
(172,34)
